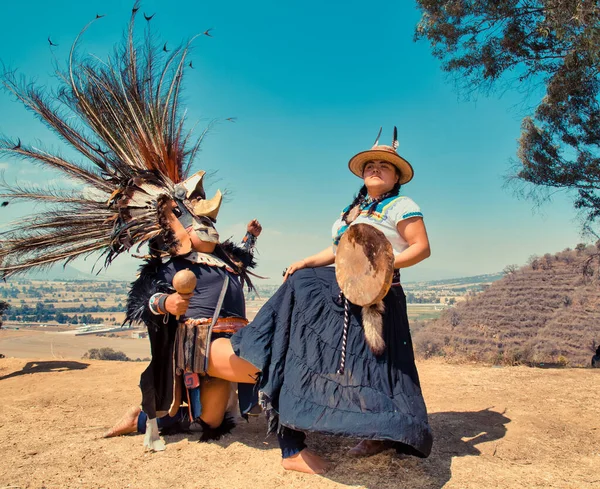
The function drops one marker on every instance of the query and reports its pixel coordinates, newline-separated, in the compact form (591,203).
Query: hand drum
(364,265)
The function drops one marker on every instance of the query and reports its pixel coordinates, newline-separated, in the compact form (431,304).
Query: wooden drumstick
(184,282)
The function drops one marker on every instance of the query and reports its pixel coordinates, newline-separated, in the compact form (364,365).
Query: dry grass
(494,428)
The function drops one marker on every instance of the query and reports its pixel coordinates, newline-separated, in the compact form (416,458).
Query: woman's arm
(321,259)
(414,233)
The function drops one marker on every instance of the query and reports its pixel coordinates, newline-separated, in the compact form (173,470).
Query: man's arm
(253,230)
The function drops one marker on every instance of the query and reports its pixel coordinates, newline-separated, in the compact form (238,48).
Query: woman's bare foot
(305,461)
(366,448)
(127,424)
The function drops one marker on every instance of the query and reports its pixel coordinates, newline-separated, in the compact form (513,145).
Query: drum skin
(364,265)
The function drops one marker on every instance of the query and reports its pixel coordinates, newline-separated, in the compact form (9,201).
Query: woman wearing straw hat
(379,204)
(332,347)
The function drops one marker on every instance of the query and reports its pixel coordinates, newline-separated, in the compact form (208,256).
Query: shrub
(427,345)
(106,354)
(454,318)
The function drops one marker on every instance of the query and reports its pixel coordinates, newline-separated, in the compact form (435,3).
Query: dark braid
(362,195)
(359,199)
(392,193)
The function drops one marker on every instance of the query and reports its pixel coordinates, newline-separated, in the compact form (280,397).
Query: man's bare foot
(366,448)
(127,424)
(305,461)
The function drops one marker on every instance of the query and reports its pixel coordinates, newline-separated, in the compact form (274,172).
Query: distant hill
(475,279)
(59,272)
(545,312)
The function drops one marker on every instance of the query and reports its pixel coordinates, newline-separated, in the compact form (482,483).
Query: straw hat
(383,153)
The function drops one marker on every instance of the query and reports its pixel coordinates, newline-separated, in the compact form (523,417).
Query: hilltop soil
(27,343)
(510,427)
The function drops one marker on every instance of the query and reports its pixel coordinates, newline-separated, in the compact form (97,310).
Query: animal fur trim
(372,318)
(209,433)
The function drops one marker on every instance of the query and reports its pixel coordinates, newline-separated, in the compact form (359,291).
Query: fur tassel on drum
(372,318)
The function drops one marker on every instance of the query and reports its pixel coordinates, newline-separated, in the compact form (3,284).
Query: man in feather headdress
(123,117)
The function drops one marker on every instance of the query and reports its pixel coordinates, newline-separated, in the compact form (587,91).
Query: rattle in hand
(184,282)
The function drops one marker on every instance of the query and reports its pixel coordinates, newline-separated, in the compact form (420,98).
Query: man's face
(192,232)
(203,235)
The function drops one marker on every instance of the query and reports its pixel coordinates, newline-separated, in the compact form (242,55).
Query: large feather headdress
(123,117)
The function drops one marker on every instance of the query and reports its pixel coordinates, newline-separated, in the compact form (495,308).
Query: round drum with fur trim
(364,269)
(364,265)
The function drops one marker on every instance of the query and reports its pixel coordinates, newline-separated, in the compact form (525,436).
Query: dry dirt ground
(56,346)
(494,428)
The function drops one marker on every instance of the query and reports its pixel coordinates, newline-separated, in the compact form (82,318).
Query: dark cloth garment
(156,382)
(291,442)
(208,289)
(295,340)
(180,423)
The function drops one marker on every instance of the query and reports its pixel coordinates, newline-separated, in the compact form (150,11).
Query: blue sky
(310,84)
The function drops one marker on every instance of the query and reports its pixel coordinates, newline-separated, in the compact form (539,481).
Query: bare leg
(214,397)
(225,364)
(305,461)
(127,424)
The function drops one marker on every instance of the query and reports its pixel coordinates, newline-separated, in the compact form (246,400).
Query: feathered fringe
(122,116)
(238,259)
(223,429)
(239,254)
(372,319)
(144,287)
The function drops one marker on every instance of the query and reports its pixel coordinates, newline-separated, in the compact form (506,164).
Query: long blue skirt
(296,342)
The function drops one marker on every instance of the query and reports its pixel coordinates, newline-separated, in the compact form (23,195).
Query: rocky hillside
(545,312)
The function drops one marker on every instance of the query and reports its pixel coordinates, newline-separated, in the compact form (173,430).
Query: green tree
(553,45)
(4,307)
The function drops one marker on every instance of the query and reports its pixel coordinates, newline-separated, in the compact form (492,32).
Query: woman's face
(380,177)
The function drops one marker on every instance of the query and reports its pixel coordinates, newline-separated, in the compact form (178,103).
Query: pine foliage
(528,45)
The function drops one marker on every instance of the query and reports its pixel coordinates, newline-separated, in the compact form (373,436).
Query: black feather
(223,429)
(378,136)
(145,286)
(239,254)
